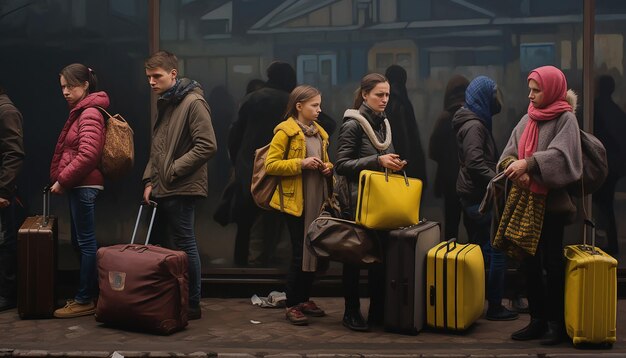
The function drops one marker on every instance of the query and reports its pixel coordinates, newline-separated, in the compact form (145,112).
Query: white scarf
(365,124)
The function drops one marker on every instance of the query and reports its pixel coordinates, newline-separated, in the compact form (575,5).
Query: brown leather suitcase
(37,264)
(143,287)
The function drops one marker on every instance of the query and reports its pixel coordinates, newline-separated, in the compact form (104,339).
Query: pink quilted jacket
(79,147)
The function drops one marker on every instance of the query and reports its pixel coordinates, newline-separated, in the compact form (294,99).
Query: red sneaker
(296,317)
(312,309)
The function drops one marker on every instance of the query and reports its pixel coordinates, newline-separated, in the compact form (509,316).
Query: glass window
(609,125)
(332,44)
(111,37)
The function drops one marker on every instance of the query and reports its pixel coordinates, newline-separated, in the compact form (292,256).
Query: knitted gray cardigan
(557,161)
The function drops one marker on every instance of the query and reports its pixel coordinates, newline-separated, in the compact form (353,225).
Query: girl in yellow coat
(298,154)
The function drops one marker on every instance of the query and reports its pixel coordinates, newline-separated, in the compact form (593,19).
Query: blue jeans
(83,225)
(478,229)
(174,228)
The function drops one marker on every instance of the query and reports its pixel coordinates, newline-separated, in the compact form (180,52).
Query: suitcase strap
(154,207)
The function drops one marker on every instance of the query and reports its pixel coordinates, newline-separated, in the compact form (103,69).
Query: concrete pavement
(235,328)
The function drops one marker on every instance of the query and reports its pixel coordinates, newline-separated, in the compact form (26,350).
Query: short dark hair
(162,59)
(76,74)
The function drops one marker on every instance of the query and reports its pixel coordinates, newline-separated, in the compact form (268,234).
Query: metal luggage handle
(154,206)
(46,206)
(591,249)
(406,179)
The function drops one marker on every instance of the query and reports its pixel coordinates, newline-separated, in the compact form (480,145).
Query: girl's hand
(391,161)
(326,170)
(312,163)
(516,169)
(57,189)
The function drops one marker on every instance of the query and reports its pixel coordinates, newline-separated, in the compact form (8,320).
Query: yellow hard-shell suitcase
(590,293)
(455,285)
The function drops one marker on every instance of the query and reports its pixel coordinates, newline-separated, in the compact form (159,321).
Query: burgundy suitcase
(143,287)
(37,263)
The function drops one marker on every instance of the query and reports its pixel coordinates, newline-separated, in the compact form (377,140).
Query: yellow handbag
(387,201)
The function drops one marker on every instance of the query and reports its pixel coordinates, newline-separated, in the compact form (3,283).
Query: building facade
(223,44)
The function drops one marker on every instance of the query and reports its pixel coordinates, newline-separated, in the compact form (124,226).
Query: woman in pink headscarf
(542,157)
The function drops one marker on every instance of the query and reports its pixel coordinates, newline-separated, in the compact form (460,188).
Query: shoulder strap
(103,111)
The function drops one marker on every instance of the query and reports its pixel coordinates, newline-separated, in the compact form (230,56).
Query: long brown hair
(299,94)
(76,74)
(367,84)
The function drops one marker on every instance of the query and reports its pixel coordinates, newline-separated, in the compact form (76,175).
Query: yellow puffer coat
(289,133)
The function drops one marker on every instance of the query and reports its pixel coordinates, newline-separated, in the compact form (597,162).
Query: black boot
(375,316)
(535,330)
(554,335)
(353,319)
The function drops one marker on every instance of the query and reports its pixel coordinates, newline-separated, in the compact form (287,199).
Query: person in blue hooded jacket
(477,159)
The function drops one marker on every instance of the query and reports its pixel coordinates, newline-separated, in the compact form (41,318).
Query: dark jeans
(299,282)
(546,296)
(479,231)
(375,287)
(8,253)
(174,228)
(83,226)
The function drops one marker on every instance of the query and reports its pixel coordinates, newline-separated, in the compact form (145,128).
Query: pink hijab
(553,84)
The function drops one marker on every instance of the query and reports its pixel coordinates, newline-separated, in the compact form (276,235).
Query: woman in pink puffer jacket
(74,171)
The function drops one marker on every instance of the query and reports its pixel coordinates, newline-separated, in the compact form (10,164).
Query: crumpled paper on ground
(274,299)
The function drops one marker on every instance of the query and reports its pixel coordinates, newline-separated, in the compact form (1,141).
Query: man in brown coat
(176,175)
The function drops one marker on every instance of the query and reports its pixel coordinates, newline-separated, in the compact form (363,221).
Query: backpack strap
(117,116)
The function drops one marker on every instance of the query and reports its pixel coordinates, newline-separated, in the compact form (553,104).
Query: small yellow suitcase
(455,285)
(590,293)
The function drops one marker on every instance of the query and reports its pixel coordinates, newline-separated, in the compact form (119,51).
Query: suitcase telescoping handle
(154,207)
(46,206)
(591,249)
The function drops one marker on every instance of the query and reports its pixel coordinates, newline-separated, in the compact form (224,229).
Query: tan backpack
(118,154)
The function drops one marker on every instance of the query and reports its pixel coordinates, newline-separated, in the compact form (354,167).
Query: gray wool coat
(557,161)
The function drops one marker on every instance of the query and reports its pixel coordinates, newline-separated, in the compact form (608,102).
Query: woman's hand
(57,189)
(516,169)
(391,161)
(523,181)
(312,163)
